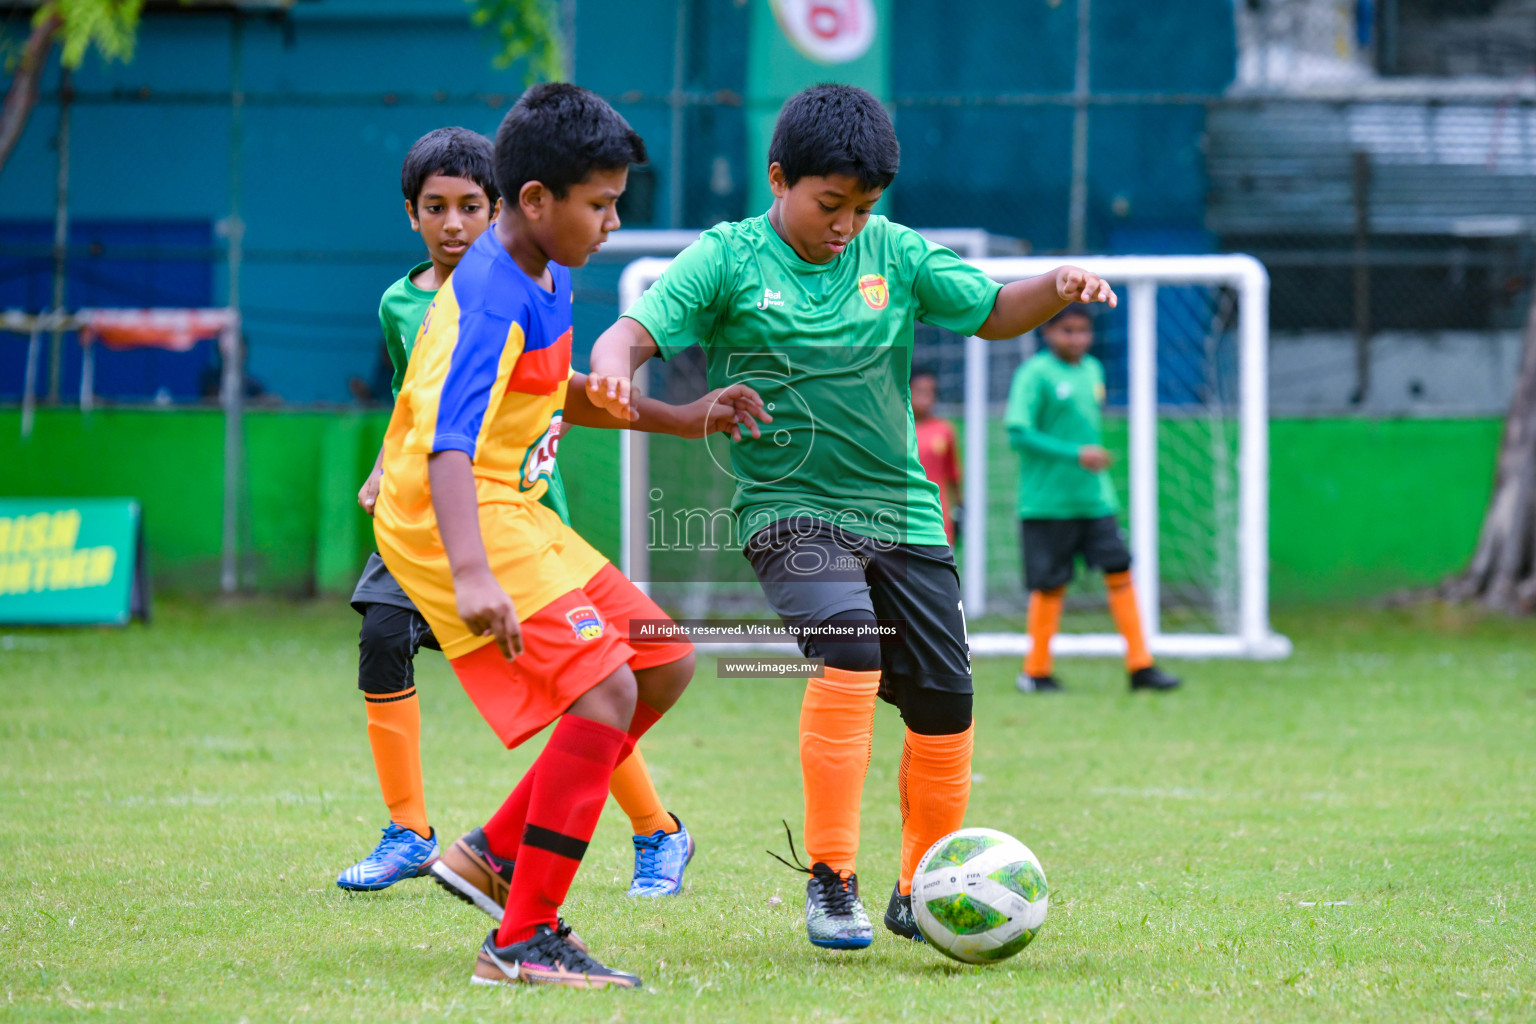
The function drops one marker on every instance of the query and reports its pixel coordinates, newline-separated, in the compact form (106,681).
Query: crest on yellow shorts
(876,294)
(585,621)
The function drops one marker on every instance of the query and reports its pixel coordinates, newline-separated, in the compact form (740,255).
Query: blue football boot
(400,854)
(659,861)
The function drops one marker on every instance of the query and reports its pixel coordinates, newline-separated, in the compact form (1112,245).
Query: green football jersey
(1054,408)
(829,347)
(401,311)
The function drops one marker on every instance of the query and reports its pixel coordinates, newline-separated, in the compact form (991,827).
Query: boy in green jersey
(451,198)
(1067,503)
(814,303)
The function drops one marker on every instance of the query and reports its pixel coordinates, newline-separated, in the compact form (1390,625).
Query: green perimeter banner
(71,561)
(798,43)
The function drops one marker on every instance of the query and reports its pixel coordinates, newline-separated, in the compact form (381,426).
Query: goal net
(1186,418)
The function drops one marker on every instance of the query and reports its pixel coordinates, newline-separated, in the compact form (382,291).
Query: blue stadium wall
(337,91)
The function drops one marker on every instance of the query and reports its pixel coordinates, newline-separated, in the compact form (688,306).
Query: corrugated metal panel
(1286,168)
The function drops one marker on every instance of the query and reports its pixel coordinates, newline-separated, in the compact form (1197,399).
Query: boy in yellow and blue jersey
(451,198)
(536,624)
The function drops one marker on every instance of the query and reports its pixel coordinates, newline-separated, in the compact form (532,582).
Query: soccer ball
(979,896)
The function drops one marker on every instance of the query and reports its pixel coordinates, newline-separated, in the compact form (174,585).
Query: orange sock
(1044,618)
(1122,605)
(837,724)
(632,787)
(935,786)
(394,732)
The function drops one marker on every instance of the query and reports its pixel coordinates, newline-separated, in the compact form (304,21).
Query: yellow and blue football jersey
(487,377)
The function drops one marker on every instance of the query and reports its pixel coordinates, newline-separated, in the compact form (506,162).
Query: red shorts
(620,601)
(569,646)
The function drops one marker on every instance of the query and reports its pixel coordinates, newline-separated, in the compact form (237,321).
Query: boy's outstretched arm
(723,409)
(616,355)
(1024,305)
(484,606)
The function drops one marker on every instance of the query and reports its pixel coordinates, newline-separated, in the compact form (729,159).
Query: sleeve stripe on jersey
(472,372)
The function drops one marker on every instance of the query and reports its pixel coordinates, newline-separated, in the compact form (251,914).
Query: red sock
(569,788)
(645,717)
(504,832)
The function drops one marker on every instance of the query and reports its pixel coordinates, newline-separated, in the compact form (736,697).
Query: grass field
(1346,835)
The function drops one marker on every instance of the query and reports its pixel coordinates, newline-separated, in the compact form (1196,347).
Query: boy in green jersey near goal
(814,304)
(1067,503)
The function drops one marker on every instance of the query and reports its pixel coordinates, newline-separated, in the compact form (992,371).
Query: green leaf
(110,27)
(524,30)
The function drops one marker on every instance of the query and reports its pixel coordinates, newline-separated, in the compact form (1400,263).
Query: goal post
(1196,443)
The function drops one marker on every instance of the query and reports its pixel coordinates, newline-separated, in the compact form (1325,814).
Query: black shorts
(811,570)
(393,631)
(377,586)
(387,646)
(1052,546)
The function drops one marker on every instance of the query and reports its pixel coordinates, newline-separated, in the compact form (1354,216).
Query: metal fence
(1380,159)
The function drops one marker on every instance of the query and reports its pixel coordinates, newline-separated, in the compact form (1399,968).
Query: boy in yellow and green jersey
(451,199)
(814,304)
(1067,503)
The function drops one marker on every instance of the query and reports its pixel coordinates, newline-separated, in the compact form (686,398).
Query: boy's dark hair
(925,371)
(557,134)
(1081,309)
(835,129)
(454,152)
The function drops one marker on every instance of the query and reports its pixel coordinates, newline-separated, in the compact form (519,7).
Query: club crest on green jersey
(770,298)
(876,293)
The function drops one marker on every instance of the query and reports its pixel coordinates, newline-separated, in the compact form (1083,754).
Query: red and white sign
(828,31)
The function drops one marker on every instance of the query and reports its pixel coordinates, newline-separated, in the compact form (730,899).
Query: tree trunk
(1503,570)
(22,95)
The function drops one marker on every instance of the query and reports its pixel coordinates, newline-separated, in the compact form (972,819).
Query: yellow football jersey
(487,377)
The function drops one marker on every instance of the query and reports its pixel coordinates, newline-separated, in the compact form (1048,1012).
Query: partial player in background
(840,524)
(451,198)
(536,624)
(1067,503)
(938,449)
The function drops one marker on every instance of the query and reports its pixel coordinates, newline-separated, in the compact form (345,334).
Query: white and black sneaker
(1155,679)
(834,917)
(1038,684)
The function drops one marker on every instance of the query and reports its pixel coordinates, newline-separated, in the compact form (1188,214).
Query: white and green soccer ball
(979,895)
